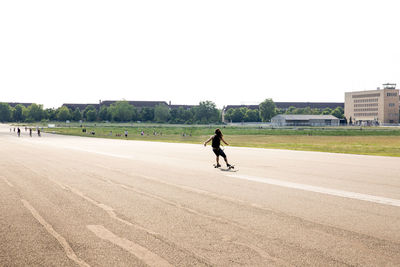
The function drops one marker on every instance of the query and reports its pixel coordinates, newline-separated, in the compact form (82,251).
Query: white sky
(229,52)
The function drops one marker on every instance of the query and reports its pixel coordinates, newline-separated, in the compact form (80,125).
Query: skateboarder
(216,142)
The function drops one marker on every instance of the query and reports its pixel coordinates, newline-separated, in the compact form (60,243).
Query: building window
(391,94)
(366,95)
(366,100)
(391,104)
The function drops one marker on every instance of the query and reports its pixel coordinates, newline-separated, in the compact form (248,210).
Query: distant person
(216,143)
(19,132)
(30,132)
(126,134)
(38,132)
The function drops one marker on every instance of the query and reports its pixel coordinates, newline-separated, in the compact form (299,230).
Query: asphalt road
(74,201)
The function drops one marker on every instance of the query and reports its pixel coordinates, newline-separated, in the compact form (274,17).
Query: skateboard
(227,169)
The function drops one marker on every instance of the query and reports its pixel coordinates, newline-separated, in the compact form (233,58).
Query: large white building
(380,106)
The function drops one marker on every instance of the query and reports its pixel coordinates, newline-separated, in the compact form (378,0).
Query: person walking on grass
(216,143)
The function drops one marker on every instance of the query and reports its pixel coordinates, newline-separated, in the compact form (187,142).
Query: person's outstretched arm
(224,141)
(209,139)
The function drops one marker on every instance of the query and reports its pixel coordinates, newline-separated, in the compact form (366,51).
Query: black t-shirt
(216,141)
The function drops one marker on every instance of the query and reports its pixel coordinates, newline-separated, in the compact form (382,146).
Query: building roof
(13,104)
(183,106)
(81,107)
(137,104)
(241,106)
(320,105)
(293,117)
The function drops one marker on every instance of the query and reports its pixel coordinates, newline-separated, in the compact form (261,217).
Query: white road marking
(109,210)
(140,252)
(8,182)
(67,248)
(322,190)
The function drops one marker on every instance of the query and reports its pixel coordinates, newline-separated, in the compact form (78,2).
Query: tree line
(267,109)
(122,111)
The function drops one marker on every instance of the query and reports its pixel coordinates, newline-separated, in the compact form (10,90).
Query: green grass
(352,140)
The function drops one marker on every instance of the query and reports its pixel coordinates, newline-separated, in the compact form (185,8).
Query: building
(373,107)
(137,104)
(304,120)
(13,104)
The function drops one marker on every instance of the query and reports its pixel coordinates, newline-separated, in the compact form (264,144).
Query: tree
(338,112)
(63,113)
(147,114)
(174,116)
(188,115)
(315,111)
(18,113)
(290,110)
(123,111)
(207,112)
(50,114)
(91,115)
(76,115)
(88,108)
(228,115)
(104,114)
(35,112)
(238,114)
(184,115)
(251,115)
(326,111)
(161,113)
(267,109)
(5,112)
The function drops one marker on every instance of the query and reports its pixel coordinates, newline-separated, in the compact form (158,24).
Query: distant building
(185,107)
(304,120)
(320,105)
(73,106)
(380,106)
(137,104)
(13,104)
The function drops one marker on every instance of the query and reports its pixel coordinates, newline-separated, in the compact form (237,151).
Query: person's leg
(218,161)
(222,153)
(226,161)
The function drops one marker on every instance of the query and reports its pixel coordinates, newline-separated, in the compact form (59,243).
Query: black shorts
(219,152)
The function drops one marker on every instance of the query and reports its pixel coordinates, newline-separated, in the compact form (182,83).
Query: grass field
(366,141)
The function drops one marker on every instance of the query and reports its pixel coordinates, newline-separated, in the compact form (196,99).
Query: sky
(229,52)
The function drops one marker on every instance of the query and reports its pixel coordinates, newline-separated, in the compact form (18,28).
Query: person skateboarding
(216,143)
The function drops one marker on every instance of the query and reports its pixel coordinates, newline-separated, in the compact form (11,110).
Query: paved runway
(73,201)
